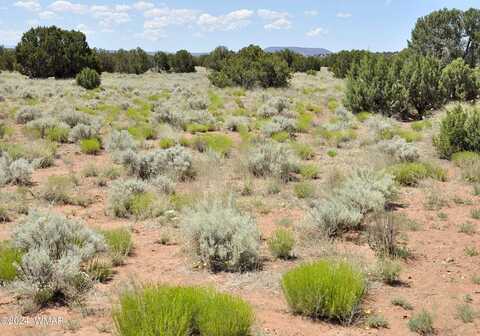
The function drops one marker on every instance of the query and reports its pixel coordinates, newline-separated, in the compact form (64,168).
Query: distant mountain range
(301,50)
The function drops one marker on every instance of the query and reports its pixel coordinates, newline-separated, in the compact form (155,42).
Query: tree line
(54,52)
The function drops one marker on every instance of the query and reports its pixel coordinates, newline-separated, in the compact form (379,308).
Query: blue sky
(378,25)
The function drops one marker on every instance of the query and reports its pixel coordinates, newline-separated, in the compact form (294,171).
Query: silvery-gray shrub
(233,123)
(367,190)
(271,159)
(27,114)
(84,131)
(222,237)
(198,103)
(120,196)
(399,149)
(279,124)
(15,171)
(118,142)
(175,161)
(164,184)
(72,118)
(333,216)
(275,106)
(364,191)
(42,125)
(55,248)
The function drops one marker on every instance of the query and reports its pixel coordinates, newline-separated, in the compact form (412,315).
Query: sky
(200,26)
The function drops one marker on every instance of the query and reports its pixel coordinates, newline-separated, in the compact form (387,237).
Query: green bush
(459,131)
(375,85)
(57,134)
(182,61)
(88,79)
(166,143)
(179,311)
(325,289)
(9,258)
(309,171)
(219,143)
(411,173)
(53,52)
(90,146)
(119,243)
(304,189)
(458,81)
(465,158)
(281,243)
(252,67)
(421,76)
(304,151)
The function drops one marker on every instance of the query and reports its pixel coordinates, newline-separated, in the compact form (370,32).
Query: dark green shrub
(281,243)
(88,79)
(340,63)
(161,61)
(421,76)
(179,311)
(459,131)
(375,85)
(183,61)
(53,52)
(458,81)
(252,67)
(325,289)
(447,34)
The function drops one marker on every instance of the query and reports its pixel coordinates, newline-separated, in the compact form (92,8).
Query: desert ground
(437,218)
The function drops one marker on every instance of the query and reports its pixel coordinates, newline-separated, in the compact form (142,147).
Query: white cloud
(268,14)
(316,32)
(31,5)
(10,37)
(143,5)
(152,34)
(32,23)
(46,15)
(122,8)
(67,6)
(99,8)
(279,24)
(311,12)
(229,21)
(344,15)
(110,18)
(279,20)
(84,29)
